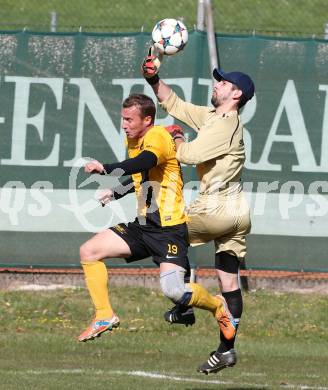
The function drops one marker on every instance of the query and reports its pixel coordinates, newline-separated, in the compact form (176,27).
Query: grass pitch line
(304,387)
(218,382)
(154,375)
(143,374)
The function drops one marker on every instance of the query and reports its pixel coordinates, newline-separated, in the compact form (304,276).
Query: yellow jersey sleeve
(158,141)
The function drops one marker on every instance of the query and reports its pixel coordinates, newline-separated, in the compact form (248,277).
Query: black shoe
(180,315)
(218,361)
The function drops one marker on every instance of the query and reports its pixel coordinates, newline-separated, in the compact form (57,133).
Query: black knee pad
(226,262)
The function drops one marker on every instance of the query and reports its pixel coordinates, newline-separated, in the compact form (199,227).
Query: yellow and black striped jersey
(159,190)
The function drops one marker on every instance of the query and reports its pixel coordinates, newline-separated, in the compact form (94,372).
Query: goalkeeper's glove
(150,66)
(176,131)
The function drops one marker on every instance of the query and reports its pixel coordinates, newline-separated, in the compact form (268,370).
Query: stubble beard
(214,100)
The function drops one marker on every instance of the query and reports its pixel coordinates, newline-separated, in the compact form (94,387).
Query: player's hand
(105,196)
(94,167)
(175,130)
(151,64)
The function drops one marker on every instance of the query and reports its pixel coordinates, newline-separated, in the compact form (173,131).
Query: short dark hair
(143,102)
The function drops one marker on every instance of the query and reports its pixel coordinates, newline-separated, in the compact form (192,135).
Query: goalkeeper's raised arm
(150,67)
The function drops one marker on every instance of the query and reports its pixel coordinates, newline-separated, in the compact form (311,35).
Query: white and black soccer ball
(169,36)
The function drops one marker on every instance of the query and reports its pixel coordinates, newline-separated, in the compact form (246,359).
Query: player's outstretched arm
(94,167)
(161,90)
(105,196)
(143,162)
(108,195)
(150,67)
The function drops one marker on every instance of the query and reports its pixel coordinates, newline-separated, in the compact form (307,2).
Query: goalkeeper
(160,228)
(220,212)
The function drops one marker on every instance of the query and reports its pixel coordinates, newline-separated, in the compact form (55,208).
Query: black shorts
(167,244)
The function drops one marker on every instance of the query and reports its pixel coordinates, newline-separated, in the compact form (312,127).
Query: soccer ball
(169,36)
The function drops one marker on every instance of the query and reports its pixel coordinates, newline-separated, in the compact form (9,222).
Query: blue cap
(241,80)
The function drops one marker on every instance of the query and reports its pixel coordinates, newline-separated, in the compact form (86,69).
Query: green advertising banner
(61,98)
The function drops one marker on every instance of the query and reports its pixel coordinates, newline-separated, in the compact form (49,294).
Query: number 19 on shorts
(172,249)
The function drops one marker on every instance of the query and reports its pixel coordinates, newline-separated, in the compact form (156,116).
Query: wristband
(179,136)
(152,80)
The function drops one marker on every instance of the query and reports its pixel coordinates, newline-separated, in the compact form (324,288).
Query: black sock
(235,304)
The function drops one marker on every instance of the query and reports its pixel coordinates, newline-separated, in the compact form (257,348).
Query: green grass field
(282,343)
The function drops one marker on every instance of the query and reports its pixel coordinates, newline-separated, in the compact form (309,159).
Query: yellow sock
(202,299)
(96,278)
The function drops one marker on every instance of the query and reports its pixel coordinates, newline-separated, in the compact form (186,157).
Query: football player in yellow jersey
(158,231)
